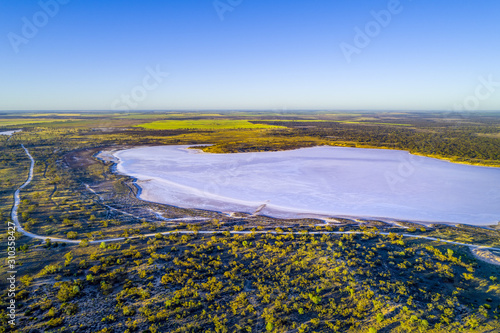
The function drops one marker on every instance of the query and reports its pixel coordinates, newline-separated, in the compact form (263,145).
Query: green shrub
(72,235)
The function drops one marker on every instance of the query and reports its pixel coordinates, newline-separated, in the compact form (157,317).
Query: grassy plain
(205,124)
(23,122)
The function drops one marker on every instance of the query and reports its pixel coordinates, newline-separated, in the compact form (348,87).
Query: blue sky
(249,54)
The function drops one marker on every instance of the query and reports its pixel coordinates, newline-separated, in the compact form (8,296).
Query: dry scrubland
(225,282)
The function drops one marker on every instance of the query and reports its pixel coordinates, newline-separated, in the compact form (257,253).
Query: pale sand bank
(486,255)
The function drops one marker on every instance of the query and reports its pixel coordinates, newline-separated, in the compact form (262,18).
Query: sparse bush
(72,235)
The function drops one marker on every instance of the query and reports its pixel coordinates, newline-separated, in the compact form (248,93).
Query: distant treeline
(456,141)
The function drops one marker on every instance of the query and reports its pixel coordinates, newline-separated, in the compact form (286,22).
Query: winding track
(17,200)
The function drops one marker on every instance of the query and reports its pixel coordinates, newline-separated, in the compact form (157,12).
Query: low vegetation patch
(205,124)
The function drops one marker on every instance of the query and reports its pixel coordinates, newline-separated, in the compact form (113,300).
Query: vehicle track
(17,200)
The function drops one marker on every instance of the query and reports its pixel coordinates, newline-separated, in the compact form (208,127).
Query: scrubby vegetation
(281,282)
(257,283)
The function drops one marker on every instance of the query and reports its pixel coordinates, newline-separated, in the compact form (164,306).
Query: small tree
(72,235)
(68,256)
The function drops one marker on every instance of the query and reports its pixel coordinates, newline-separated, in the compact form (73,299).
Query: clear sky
(249,54)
